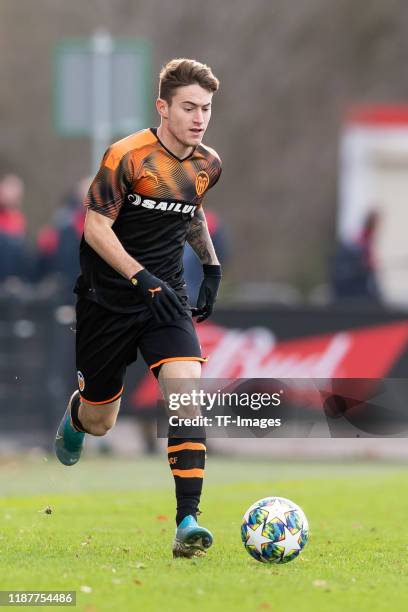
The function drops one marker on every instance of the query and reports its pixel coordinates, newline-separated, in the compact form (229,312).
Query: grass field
(109,534)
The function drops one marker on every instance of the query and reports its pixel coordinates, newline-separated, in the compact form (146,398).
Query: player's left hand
(208,292)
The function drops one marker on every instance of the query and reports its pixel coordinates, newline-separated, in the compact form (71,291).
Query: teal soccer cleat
(191,540)
(69,441)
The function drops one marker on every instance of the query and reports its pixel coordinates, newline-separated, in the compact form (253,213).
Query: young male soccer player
(144,203)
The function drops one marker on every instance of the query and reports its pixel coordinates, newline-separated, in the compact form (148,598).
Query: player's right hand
(158,296)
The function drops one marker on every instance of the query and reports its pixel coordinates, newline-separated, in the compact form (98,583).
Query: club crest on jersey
(81,381)
(176,207)
(202,182)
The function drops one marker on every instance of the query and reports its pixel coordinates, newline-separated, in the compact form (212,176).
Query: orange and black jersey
(151,195)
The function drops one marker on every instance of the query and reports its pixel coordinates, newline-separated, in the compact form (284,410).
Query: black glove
(208,292)
(158,296)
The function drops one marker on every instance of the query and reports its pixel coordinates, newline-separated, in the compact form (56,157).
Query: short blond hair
(181,72)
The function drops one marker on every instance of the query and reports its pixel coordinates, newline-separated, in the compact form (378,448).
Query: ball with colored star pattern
(274,530)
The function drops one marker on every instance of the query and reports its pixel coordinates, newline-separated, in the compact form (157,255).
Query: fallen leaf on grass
(319,583)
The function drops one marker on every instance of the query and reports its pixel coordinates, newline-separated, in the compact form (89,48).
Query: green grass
(112,525)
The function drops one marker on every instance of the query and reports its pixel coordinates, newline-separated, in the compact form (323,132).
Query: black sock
(187,462)
(74,414)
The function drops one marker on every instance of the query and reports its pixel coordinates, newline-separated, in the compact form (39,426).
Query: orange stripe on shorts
(169,359)
(108,401)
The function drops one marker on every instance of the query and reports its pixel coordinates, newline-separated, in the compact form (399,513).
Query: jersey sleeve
(216,175)
(111,184)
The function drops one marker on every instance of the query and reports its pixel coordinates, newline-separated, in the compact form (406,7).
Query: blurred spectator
(58,242)
(13,251)
(193,270)
(354,267)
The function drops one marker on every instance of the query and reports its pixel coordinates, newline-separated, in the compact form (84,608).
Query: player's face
(188,114)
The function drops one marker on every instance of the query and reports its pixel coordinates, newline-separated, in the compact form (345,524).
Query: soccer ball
(274,530)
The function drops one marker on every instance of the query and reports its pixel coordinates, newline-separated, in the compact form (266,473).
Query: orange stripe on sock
(168,359)
(194,473)
(186,446)
(108,401)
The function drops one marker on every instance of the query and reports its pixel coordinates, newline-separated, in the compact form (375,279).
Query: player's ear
(162,108)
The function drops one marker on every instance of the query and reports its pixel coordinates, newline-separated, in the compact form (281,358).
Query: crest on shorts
(202,182)
(81,381)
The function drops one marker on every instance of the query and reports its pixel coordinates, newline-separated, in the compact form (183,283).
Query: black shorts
(107,342)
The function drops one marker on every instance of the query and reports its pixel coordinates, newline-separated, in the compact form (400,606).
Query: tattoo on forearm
(199,238)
